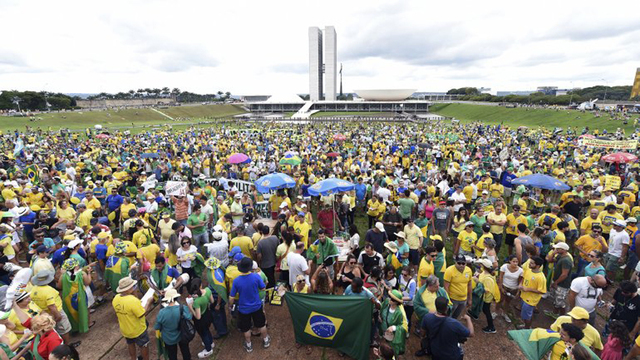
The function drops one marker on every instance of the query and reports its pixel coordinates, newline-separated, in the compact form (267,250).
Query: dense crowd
(434,230)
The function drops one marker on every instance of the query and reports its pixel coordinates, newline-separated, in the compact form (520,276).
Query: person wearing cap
(579,317)
(168,323)
(465,241)
(9,193)
(491,291)
(302,228)
(23,301)
(247,287)
(618,248)
(457,283)
(394,323)
(561,280)
(236,209)
(403,250)
(49,300)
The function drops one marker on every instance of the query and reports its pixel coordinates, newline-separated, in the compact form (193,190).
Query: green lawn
(529,117)
(126,117)
(351,113)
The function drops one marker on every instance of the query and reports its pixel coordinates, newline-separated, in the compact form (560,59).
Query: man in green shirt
(323,251)
(196,223)
(406,205)
(478,219)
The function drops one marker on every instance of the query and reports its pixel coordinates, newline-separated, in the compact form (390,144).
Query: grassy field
(528,117)
(351,113)
(126,117)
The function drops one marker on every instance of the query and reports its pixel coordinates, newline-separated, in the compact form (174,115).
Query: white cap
(632,220)
(284,204)
(620,223)
(379,226)
(561,245)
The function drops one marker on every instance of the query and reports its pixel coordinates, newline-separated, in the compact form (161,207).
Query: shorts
(63,326)
(141,341)
(414,256)
(611,263)
(559,295)
(245,320)
(509,239)
(527,311)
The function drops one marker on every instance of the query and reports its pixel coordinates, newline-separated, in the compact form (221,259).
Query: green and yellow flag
(33,174)
(339,322)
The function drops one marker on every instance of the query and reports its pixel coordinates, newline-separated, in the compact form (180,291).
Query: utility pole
(341,80)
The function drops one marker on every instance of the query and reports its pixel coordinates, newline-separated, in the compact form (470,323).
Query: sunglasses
(186,243)
(461,262)
(352,263)
(592,256)
(433,255)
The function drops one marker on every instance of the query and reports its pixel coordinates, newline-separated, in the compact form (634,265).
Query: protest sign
(611,144)
(176,188)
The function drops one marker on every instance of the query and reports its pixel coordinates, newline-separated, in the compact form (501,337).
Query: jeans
(582,263)
(458,308)
(409,311)
(202,326)
(219,319)
(486,310)
(172,351)
(200,239)
(498,239)
(271,276)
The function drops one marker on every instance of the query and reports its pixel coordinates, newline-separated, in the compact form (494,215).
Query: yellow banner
(611,144)
(612,182)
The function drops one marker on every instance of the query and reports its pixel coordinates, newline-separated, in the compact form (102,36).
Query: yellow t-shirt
(425,269)
(43,296)
(588,222)
(607,220)
(245,243)
(591,335)
(458,282)
(142,237)
(172,259)
(303,231)
(93,204)
(66,214)
(497,229)
(536,281)
(587,243)
(512,223)
(149,252)
(429,300)
(467,239)
(480,243)
(9,251)
(32,311)
(84,220)
(130,315)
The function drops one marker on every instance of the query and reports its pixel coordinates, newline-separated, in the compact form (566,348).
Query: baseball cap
(468,223)
(460,258)
(561,245)
(301,214)
(235,250)
(620,223)
(579,313)
(632,220)
(379,226)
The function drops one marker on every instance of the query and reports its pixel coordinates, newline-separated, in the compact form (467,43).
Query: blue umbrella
(541,181)
(274,181)
(330,186)
(149,155)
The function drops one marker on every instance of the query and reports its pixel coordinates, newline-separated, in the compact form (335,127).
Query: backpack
(187,329)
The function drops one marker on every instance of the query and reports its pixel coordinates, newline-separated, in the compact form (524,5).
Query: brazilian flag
(536,343)
(33,173)
(215,278)
(339,322)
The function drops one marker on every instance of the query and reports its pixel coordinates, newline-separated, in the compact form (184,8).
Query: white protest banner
(611,144)
(176,188)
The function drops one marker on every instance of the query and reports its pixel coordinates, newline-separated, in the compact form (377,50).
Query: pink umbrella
(588,136)
(102,136)
(238,158)
(620,157)
(339,137)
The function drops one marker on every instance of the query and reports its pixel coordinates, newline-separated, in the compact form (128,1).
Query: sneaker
(471,315)
(205,354)
(266,342)
(248,347)
(489,330)
(494,315)
(507,318)
(545,295)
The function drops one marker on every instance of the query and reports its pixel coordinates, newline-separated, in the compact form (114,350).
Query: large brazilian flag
(339,322)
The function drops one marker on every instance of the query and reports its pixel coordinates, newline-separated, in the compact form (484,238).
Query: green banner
(339,322)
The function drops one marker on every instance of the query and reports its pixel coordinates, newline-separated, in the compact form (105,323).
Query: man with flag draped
(322,250)
(162,275)
(215,275)
(33,174)
(74,296)
(117,266)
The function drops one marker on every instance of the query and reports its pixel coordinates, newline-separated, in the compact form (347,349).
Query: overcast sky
(261,47)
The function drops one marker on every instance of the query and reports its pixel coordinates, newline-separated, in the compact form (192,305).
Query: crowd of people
(433,232)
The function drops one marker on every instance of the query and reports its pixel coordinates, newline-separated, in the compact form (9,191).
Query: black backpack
(187,330)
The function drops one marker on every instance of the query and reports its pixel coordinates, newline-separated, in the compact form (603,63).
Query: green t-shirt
(202,302)
(477,224)
(405,207)
(563,263)
(195,219)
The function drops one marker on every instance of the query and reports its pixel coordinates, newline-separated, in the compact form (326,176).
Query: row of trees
(573,97)
(42,100)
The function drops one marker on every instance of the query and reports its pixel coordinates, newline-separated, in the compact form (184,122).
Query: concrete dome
(385,94)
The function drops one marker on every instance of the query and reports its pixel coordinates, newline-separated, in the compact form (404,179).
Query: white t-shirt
(510,279)
(616,240)
(458,197)
(355,241)
(297,266)
(587,295)
(189,254)
(384,193)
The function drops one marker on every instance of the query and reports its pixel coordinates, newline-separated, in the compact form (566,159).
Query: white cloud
(252,46)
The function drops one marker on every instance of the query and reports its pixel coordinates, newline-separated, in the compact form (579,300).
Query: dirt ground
(104,341)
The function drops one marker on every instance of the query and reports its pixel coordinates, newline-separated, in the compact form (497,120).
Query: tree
(165,91)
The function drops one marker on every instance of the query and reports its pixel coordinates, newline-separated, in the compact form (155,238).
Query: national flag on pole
(33,174)
(339,322)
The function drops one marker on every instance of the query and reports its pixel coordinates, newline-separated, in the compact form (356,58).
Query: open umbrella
(620,157)
(541,181)
(339,137)
(238,158)
(290,160)
(333,154)
(330,186)
(274,181)
(102,136)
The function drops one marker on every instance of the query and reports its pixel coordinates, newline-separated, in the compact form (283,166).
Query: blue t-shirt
(507,179)
(248,286)
(101,252)
(361,191)
(364,293)
(114,201)
(445,335)
(29,218)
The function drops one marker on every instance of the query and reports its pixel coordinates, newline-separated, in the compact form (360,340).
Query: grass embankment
(549,118)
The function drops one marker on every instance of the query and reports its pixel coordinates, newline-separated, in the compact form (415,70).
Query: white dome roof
(285,99)
(385,94)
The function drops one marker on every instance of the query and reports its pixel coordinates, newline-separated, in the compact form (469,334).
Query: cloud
(295,68)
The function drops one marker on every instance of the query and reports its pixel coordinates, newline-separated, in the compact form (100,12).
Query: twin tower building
(322,64)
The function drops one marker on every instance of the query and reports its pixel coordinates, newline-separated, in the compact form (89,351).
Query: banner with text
(176,188)
(611,144)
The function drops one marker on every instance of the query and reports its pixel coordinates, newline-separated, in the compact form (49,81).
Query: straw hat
(125,284)
(391,246)
(170,295)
